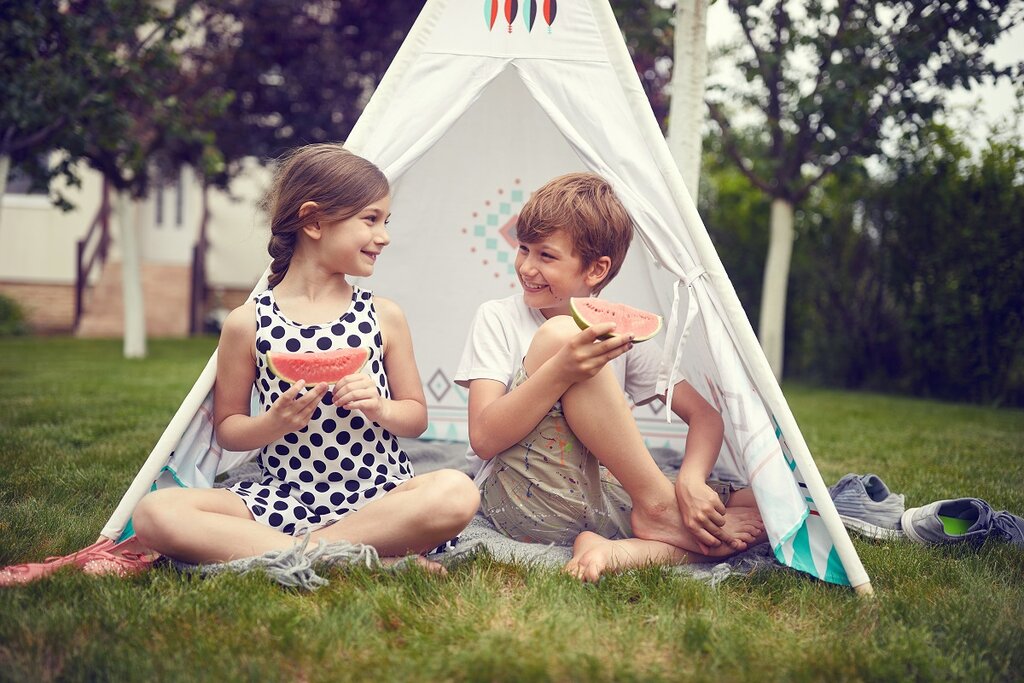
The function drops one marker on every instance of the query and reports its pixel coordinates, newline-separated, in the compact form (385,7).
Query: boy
(564,460)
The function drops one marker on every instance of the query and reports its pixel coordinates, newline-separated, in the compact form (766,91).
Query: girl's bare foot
(429,565)
(594,555)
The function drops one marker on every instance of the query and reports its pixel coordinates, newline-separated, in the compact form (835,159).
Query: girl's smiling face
(352,246)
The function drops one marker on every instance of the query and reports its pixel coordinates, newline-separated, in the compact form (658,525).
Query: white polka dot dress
(341,460)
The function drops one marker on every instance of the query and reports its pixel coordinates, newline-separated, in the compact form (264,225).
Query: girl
(330,461)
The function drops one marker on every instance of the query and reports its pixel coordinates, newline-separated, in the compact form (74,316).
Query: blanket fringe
(294,567)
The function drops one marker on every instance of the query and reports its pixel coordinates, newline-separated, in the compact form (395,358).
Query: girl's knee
(456,495)
(155,515)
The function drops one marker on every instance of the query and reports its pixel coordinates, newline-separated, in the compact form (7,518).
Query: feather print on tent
(550,7)
(529,14)
(511,10)
(490,13)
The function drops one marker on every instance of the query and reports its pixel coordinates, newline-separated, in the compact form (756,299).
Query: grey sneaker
(867,506)
(959,520)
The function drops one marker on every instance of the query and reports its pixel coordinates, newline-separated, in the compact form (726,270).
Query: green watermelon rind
(579,316)
(313,356)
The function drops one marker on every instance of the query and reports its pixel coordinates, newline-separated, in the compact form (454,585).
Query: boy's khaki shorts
(549,487)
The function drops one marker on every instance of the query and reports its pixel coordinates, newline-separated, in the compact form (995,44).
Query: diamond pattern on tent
(494,229)
(439,385)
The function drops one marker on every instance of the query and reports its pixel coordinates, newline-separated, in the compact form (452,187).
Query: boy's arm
(497,419)
(236,371)
(702,510)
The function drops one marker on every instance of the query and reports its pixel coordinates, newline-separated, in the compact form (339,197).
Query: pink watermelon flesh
(321,366)
(628,320)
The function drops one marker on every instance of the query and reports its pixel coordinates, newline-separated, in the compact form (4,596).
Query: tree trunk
(5,168)
(772,326)
(686,107)
(129,217)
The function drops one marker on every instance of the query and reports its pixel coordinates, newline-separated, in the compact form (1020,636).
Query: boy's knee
(549,339)
(560,328)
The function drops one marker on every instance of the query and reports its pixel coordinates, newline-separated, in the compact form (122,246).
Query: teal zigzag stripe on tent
(129,528)
(789,534)
(803,557)
(834,571)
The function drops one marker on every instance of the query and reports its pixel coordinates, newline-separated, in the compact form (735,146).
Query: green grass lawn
(77,420)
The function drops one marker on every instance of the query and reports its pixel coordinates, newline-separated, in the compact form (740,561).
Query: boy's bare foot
(746,528)
(429,565)
(662,522)
(593,555)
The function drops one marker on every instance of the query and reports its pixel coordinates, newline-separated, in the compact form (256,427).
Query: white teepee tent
(475,112)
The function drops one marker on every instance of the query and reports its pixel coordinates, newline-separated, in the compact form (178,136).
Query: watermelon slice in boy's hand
(320,366)
(588,311)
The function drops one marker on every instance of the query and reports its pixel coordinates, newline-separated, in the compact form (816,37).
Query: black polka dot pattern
(340,461)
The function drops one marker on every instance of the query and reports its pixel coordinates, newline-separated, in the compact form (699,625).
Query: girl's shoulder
(240,321)
(387,309)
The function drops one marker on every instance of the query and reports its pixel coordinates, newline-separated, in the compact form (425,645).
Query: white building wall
(238,232)
(37,240)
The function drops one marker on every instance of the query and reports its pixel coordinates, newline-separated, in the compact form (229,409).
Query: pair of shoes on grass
(100,558)
(867,506)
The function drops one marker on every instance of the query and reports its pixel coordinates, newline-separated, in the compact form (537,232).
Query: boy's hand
(584,356)
(703,514)
(358,392)
(291,411)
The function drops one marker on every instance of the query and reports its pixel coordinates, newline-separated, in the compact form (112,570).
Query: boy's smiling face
(550,272)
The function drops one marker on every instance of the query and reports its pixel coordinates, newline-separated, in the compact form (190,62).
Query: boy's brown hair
(586,208)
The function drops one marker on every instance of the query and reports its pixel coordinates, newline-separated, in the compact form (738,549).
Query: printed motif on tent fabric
(734,409)
(511,9)
(493,232)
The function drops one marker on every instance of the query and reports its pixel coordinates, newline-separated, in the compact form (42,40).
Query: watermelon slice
(316,367)
(588,311)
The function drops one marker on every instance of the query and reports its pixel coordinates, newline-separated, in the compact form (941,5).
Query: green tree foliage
(301,72)
(12,318)
(833,80)
(954,239)
(734,212)
(647,28)
(845,326)
(911,281)
(101,80)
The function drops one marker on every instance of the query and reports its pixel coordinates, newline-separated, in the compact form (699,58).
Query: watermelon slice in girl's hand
(588,311)
(316,367)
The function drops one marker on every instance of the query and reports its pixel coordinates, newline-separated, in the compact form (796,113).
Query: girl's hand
(584,355)
(359,392)
(291,411)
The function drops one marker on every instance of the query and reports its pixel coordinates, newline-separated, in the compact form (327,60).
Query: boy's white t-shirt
(499,338)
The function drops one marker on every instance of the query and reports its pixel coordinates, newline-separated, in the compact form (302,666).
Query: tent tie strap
(669,360)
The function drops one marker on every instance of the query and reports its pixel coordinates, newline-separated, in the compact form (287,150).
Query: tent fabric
(470,118)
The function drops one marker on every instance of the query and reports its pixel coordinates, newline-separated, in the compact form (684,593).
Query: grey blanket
(295,567)
(427,456)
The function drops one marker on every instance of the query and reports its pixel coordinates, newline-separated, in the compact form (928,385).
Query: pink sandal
(124,559)
(102,557)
